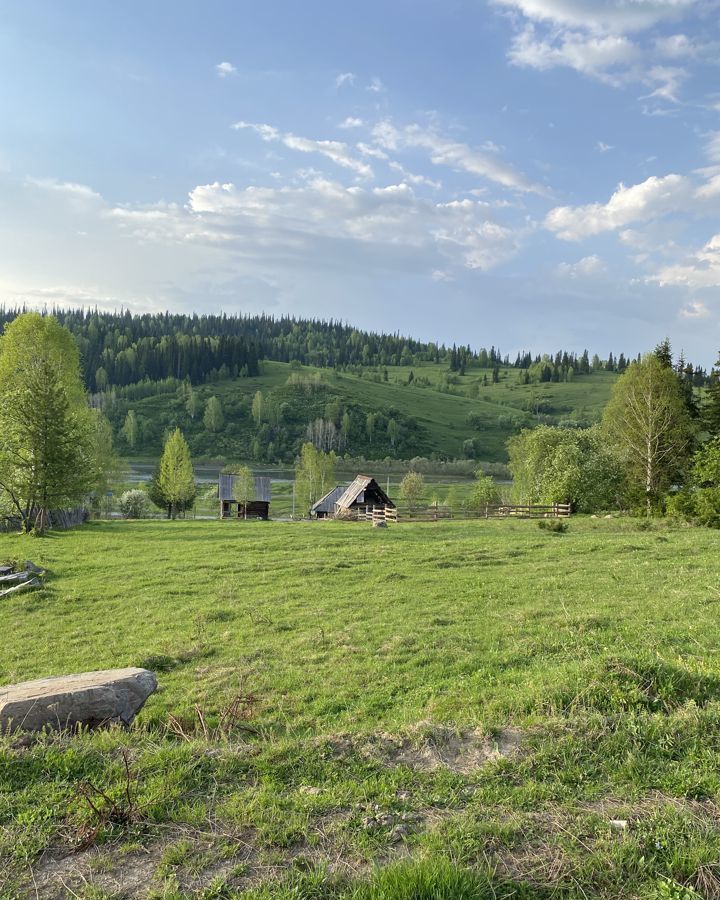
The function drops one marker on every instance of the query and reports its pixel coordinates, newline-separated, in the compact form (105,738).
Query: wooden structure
(361,497)
(232,508)
(324,508)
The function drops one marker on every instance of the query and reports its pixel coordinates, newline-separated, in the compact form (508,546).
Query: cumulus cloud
(337,151)
(454,155)
(701,270)
(345,78)
(640,202)
(224,69)
(351,122)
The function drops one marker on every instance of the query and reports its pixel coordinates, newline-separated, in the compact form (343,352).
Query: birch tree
(647,421)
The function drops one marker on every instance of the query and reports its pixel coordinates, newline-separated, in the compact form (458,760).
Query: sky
(533,174)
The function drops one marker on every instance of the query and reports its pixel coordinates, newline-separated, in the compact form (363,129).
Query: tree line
(120,349)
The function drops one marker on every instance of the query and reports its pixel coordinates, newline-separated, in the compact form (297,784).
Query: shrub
(134,504)
(558,526)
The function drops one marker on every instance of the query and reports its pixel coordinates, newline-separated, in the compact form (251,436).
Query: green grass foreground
(450,710)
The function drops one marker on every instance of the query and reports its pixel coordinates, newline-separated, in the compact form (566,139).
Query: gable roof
(226,489)
(359,486)
(327,503)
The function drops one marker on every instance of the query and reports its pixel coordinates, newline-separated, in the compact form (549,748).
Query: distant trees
(173,485)
(314,475)
(412,488)
(46,428)
(257,408)
(129,429)
(213,418)
(648,423)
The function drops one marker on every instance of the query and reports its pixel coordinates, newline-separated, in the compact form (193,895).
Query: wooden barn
(363,495)
(232,508)
(324,508)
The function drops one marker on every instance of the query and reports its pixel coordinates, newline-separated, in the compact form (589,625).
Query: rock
(89,699)
(619,824)
(379,523)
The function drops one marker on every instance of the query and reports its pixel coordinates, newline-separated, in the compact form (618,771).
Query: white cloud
(345,78)
(71,189)
(587,266)
(412,178)
(384,218)
(603,147)
(712,146)
(695,309)
(351,122)
(224,69)
(640,202)
(337,151)
(376,86)
(604,57)
(701,270)
(454,155)
(604,16)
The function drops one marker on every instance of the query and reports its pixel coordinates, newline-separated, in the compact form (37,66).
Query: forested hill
(120,349)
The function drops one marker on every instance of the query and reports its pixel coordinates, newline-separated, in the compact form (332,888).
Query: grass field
(460,709)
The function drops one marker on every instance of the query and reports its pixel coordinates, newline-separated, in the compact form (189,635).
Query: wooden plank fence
(436,513)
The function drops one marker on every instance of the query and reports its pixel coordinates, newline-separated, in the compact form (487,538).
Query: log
(5,570)
(24,586)
(16,576)
(35,570)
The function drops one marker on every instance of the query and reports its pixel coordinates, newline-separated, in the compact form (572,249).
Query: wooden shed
(324,508)
(232,508)
(364,494)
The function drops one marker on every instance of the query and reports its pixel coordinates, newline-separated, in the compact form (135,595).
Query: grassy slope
(442,416)
(601,645)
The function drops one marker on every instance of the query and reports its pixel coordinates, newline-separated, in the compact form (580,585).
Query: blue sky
(530,173)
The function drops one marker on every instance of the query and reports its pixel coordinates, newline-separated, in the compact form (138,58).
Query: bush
(134,504)
(558,526)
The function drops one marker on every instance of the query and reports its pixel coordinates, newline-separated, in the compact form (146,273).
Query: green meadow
(472,709)
(437,415)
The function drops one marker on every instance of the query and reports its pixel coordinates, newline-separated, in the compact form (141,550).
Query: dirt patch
(428,747)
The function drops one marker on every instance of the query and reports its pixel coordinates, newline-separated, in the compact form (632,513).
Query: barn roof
(361,484)
(327,503)
(226,488)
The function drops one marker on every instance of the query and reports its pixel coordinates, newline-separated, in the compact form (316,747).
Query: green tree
(392,430)
(314,475)
(370,422)
(648,422)
(484,491)
(192,404)
(412,488)
(213,418)
(257,408)
(108,467)
(711,410)
(175,483)
(130,429)
(566,465)
(46,429)
(244,486)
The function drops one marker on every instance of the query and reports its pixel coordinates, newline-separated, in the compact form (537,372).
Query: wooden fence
(437,513)
(57,518)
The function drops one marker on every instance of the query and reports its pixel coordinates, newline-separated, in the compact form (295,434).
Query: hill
(393,411)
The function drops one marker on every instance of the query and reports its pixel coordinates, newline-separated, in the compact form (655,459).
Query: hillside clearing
(483,693)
